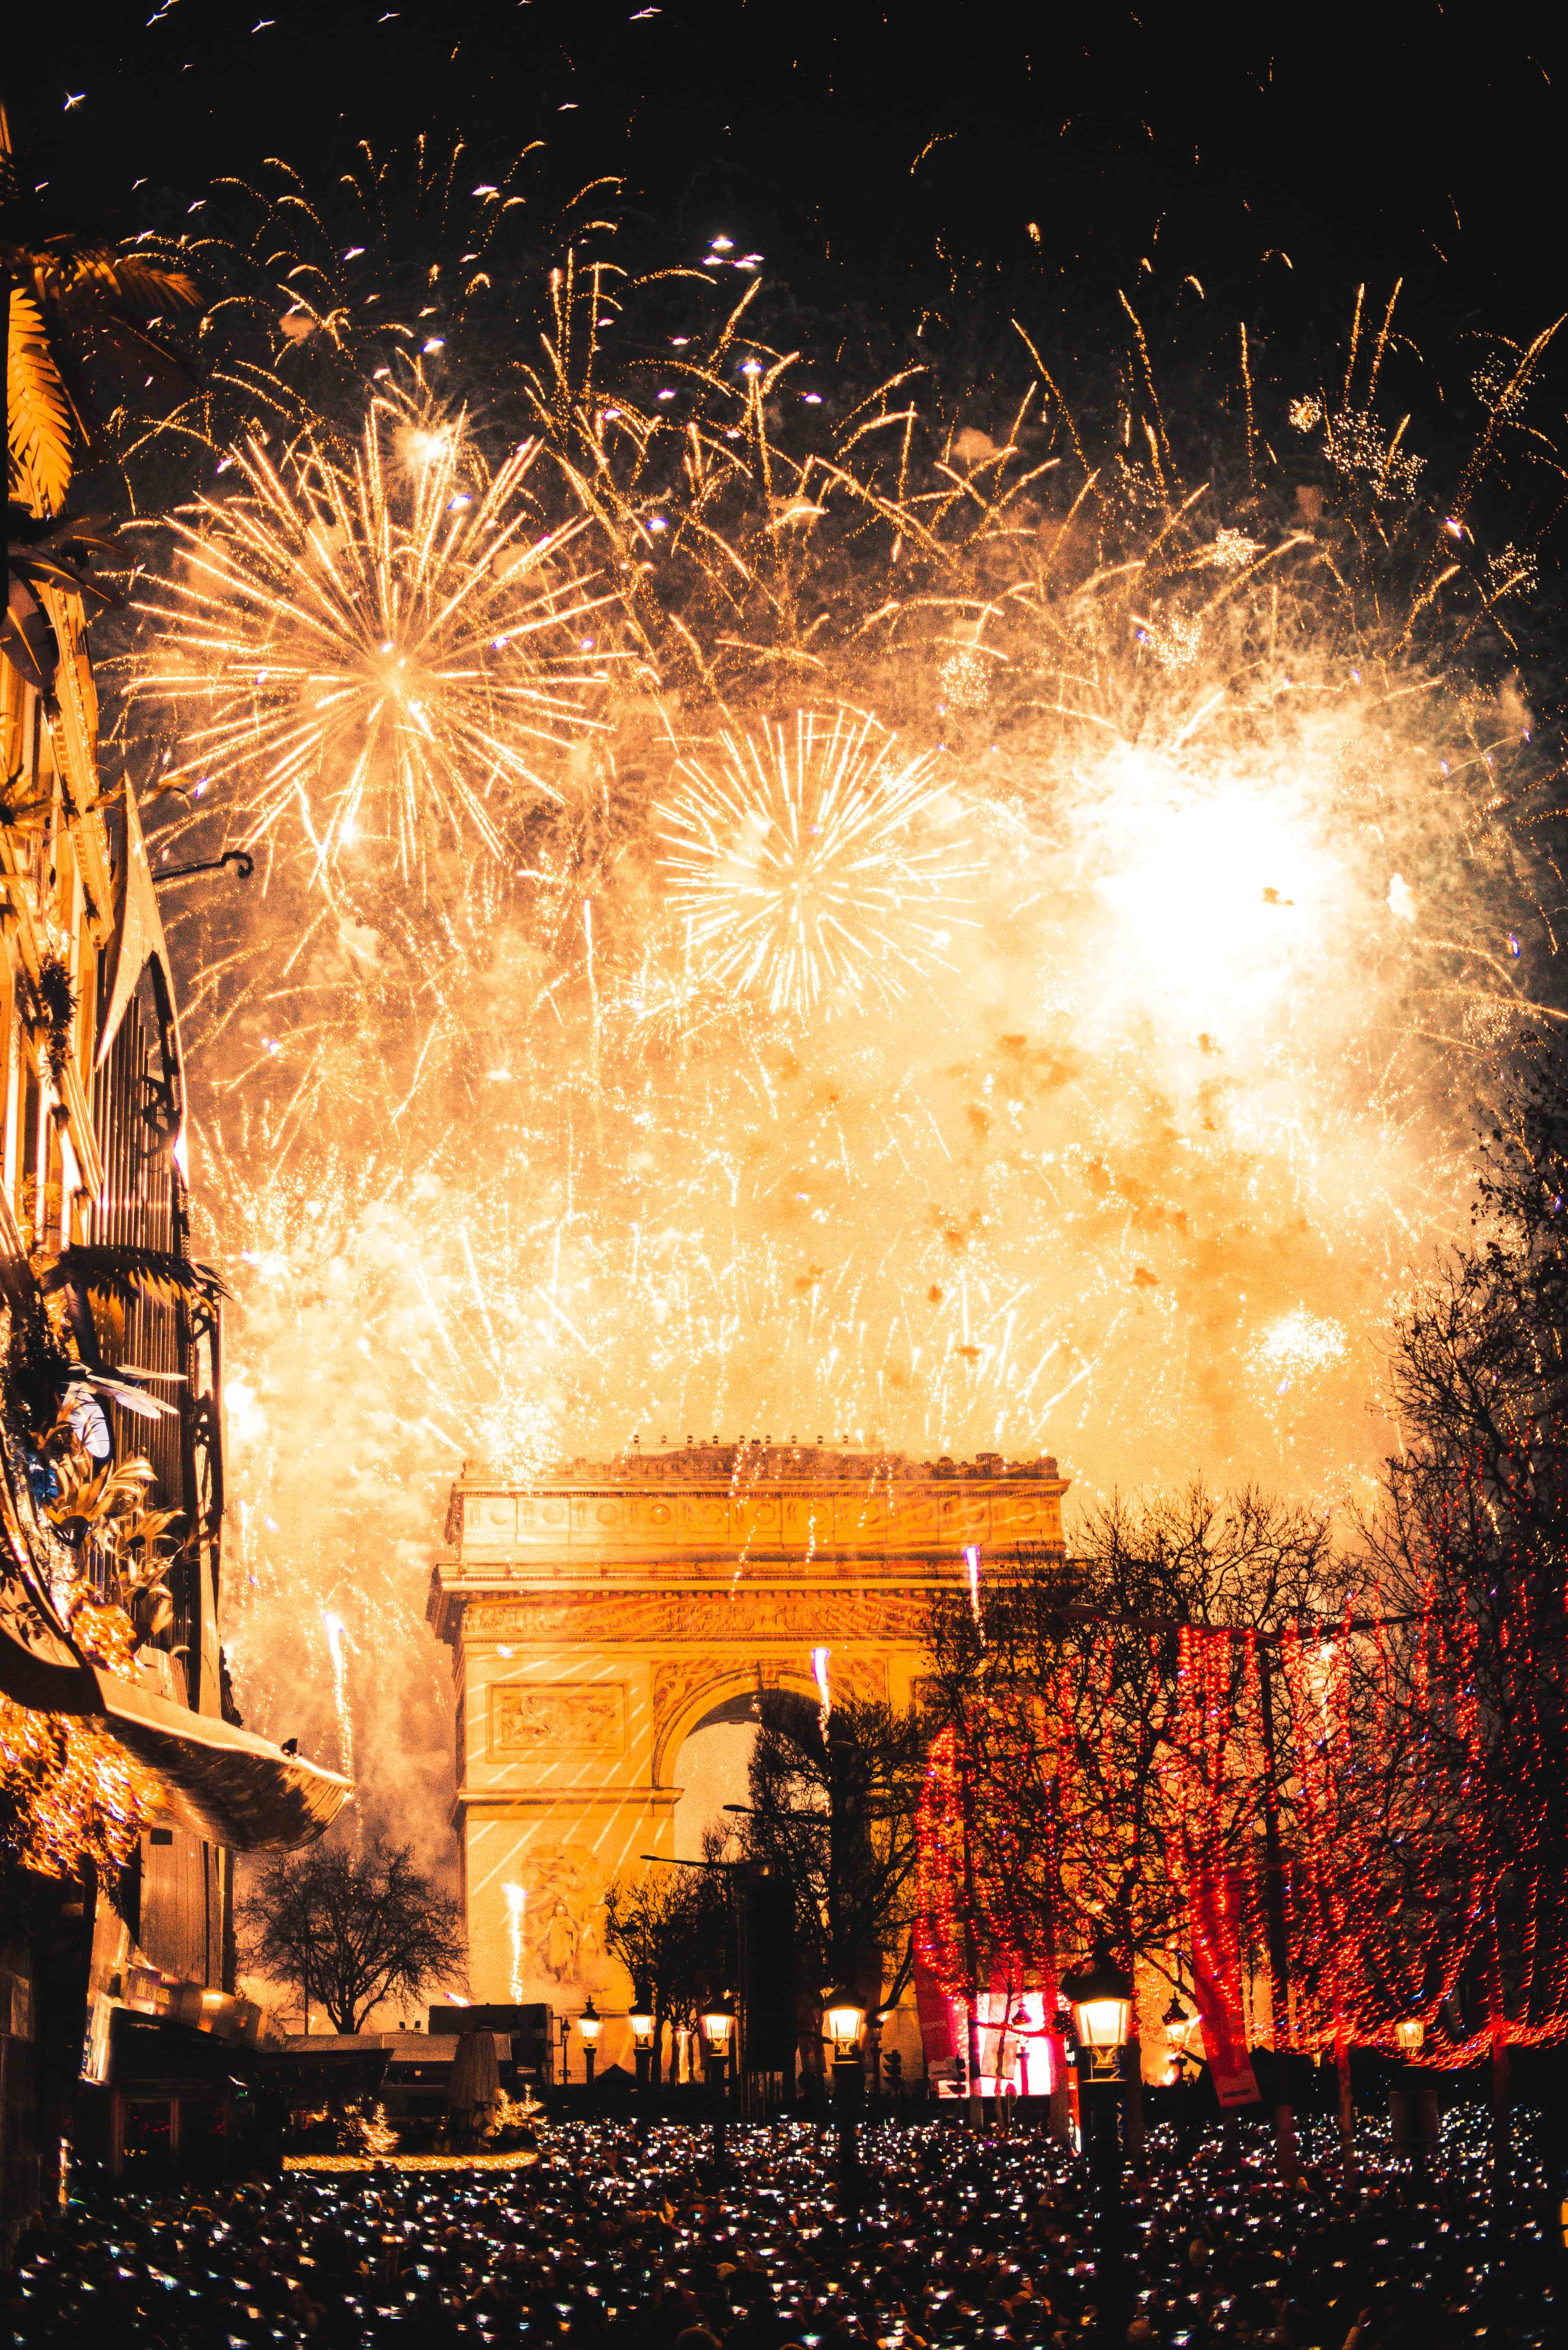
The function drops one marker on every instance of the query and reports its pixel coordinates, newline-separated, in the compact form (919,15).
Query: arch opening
(713,1761)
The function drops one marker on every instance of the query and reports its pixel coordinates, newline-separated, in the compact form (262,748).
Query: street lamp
(718,2021)
(844,2015)
(588,2024)
(1101,1997)
(1178,2026)
(1409,2038)
(640,2019)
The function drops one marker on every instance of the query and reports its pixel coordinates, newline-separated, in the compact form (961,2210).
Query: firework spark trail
(1117,1127)
(819,1657)
(516,1897)
(338,1643)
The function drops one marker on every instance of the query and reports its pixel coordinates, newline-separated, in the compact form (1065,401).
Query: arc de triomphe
(599,1615)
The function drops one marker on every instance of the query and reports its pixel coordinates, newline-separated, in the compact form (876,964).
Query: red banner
(1217,1985)
(936,2016)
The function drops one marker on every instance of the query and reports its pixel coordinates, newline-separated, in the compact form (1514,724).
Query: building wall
(180,1921)
(56,901)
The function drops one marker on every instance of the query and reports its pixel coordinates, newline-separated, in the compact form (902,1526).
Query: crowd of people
(613,2240)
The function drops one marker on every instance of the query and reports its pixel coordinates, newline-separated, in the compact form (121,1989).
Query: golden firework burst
(385,649)
(816,864)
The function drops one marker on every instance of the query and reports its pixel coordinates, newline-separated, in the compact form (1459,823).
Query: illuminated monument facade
(597,1616)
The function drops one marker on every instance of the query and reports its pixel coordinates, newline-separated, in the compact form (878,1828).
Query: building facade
(600,1616)
(102,1314)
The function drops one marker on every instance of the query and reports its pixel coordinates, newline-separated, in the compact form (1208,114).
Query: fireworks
(1299,1346)
(516,1903)
(802,868)
(338,1648)
(381,651)
(1167,944)
(415,248)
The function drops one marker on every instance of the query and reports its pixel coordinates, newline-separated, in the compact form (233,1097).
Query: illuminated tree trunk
(971,1954)
(1346,2102)
(1500,2180)
(1279,1965)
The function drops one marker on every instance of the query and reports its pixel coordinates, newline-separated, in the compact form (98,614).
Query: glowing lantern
(1178,2026)
(717,2023)
(1410,2034)
(1101,1997)
(844,2016)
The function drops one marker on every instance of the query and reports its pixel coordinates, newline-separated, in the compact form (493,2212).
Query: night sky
(874,154)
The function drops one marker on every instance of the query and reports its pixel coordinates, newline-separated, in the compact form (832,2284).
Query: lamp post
(844,2017)
(1101,1996)
(589,2025)
(1178,2026)
(1062,2094)
(640,2019)
(1409,2037)
(718,2021)
(871,2062)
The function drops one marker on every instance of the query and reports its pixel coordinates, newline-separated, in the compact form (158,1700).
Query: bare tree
(670,1932)
(833,1811)
(1474,1528)
(352,1930)
(1065,1684)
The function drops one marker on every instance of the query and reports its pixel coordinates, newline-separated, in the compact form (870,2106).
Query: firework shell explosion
(1098,1079)
(376,649)
(791,862)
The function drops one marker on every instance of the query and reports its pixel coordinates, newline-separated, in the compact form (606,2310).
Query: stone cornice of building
(625,1606)
(637,1530)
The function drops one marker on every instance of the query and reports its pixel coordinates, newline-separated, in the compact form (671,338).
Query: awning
(306,2075)
(221,1781)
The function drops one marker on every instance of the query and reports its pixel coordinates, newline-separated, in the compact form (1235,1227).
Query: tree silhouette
(351,1929)
(834,1811)
(75,305)
(672,1933)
